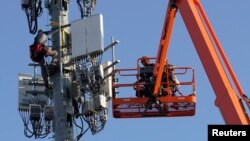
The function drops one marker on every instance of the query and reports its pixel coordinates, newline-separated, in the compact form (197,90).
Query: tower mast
(61,81)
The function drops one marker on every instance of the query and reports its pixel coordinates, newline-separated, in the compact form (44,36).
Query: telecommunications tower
(80,81)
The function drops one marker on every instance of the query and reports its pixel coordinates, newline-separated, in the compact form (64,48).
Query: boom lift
(222,78)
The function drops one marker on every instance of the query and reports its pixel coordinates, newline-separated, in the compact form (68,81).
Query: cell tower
(80,80)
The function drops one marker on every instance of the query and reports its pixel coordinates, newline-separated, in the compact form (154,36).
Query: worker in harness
(172,79)
(38,50)
(143,86)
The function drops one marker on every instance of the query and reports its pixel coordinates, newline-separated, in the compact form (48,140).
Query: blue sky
(137,25)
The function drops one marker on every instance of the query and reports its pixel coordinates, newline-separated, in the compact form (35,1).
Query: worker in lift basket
(38,51)
(145,88)
(175,84)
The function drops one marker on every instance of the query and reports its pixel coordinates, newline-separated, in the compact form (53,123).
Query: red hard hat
(145,59)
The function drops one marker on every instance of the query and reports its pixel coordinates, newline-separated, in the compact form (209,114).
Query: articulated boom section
(228,91)
(175,97)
